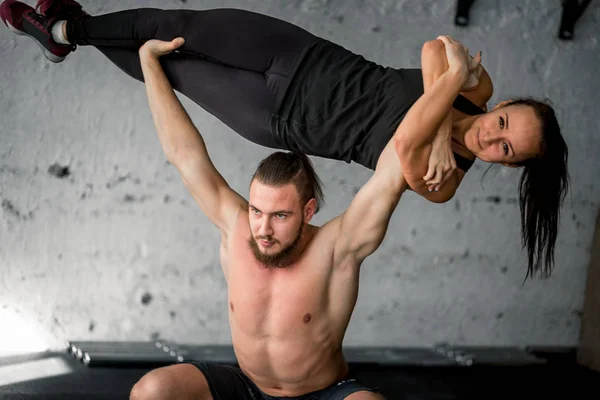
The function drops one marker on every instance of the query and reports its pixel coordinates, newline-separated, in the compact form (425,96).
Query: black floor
(558,377)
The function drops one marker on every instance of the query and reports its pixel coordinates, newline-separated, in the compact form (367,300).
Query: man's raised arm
(362,227)
(182,144)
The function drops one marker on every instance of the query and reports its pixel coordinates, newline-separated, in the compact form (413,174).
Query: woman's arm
(478,89)
(414,137)
(441,164)
(434,63)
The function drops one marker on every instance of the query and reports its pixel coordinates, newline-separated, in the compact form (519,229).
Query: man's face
(276,222)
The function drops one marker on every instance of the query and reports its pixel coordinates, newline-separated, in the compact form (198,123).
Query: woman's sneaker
(23,20)
(63,9)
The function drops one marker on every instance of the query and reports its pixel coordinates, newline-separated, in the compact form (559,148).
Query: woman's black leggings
(235,64)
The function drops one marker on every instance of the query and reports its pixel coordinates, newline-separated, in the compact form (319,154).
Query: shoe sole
(47,53)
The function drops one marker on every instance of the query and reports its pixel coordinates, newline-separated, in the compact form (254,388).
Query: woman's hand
(459,61)
(473,79)
(441,162)
(155,48)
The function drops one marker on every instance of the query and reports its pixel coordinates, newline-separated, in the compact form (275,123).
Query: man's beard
(277,260)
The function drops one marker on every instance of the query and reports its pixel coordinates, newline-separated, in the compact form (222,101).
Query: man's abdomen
(290,366)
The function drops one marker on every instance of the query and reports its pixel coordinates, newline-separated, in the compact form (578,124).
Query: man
(292,286)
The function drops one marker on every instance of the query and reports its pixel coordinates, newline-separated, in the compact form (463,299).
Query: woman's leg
(235,64)
(237,38)
(240,99)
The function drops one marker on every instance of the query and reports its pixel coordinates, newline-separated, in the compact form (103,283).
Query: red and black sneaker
(23,20)
(62,9)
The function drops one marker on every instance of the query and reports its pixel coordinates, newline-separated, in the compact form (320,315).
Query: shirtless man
(292,286)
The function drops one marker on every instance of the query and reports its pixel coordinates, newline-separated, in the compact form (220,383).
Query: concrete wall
(589,341)
(115,248)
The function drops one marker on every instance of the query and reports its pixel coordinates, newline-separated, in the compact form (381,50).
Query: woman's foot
(23,20)
(62,9)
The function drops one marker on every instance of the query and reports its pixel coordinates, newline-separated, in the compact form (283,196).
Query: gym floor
(558,375)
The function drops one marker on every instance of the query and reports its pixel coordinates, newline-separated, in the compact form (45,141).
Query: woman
(281,87)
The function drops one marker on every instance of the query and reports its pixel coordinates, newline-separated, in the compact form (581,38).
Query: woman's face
(505,135)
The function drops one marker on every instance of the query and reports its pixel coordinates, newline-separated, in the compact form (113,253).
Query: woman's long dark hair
(542,190)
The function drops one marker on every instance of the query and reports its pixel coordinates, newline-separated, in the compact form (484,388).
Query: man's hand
(155,48)
(441,162)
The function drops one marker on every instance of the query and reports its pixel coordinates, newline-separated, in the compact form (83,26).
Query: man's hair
(542,189)
(282,168)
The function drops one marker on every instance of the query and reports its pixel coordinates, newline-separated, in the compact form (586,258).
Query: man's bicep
(362,227)
(219,202)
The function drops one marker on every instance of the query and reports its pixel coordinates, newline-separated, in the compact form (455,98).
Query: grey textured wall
(117,249)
